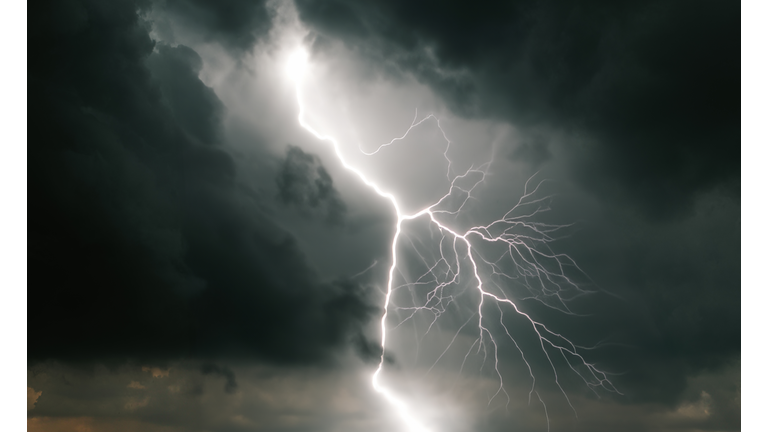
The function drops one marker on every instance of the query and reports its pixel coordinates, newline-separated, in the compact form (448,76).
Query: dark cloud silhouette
(142,242)
(193,105)
(236,24)
(303,182)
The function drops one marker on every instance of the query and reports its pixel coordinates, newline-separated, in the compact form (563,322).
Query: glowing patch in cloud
(296,66)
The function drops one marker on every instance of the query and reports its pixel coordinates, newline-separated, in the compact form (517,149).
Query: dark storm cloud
(648,91)
(677,309)
(303,182)
(194,106)
(236,24)
(143,244)
(149,243)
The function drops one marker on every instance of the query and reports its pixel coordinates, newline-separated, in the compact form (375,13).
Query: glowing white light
(529,245)
(296,67)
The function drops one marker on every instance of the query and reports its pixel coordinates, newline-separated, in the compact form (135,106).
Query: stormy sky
(197,260)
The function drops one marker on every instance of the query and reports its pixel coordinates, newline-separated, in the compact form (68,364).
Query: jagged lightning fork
(538,269)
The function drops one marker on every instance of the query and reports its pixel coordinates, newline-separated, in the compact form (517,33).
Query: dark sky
(199,261)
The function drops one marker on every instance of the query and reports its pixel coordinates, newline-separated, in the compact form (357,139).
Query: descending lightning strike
(538,269)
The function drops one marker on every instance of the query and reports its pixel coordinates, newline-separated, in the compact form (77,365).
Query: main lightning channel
(297,67)
(552,284)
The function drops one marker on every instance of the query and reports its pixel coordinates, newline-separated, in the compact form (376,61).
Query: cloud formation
(304,183)
(176,237)
(648,91)
(144,243)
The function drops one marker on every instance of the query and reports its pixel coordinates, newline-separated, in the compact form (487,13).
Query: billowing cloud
(151,248)
(304,183)
(238,24)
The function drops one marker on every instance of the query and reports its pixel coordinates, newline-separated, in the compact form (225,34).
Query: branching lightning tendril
(541,271)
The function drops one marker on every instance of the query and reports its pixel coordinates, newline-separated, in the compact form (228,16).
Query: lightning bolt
(541,271)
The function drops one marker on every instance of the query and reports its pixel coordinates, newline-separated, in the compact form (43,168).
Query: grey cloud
(236,24)
(303,182)
(194,106)
(533,151)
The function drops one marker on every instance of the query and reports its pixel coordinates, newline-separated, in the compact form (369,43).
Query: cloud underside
(191,398)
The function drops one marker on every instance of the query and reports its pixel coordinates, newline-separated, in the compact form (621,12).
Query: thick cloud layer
(178,219)
(143,243)
(238,24)
(647,91)
(303,182)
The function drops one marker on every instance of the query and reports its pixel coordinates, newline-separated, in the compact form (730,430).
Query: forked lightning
(526,244)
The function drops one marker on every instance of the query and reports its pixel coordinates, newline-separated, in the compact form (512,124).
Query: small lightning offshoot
(526,246)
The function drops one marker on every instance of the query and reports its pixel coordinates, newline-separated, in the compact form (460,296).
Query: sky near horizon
(200,261)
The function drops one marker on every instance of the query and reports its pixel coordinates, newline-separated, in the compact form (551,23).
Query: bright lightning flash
(541,271)
(297,64)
